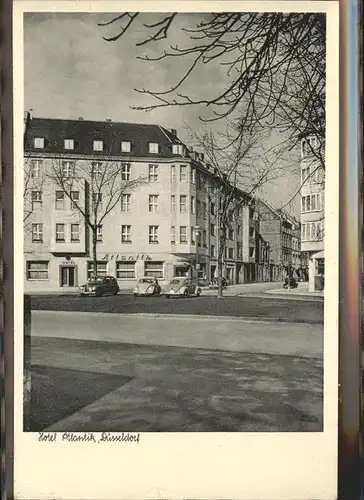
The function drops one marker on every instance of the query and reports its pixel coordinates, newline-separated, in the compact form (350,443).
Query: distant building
(312,213)
(161,228)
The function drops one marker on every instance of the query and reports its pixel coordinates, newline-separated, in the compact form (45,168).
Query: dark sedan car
(100,285)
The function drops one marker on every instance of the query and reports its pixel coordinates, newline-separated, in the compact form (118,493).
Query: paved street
(265,308)
(145,372)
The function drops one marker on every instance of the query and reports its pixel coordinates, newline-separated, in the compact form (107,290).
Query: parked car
(100,285)
(182,287)
(147,287)
(290,283)
(214,284)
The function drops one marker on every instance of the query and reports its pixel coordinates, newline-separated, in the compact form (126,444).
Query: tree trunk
(94,250)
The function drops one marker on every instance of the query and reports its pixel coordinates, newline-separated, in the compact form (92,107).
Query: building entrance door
(67,276)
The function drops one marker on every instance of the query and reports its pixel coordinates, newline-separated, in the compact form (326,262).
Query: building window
(98,146)
(173,234)
(36,199)
(311,202)
(212,208)
(231,235)
(173,173)
(212,229)
(75,198)
(251,252)
(37,233)
(153,234)
(183,203)
(193,175)
(96,170)
(153,269)
(125,270)
(75,232)
(193,233)
(153,173)
(99,233)
(67,168)
(204,237)
(60,236)
(126,202)
(173,203)
(35,169)
(204,209)
(178,149)
(198,207)
(125,146)
(153,147)
(153,202)
(183,173)
(37,270)
(183,234)
(39,142)
(69,144)
(125,172)
(60,198)
(96,201)
(193,205)
(212,251)
(125,234)
(251,232)
(101,269)
(230,253)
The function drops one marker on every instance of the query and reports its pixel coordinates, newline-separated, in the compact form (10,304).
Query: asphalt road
(276,309)
(81,385)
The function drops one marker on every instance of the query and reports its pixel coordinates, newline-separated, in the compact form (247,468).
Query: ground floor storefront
(49,272)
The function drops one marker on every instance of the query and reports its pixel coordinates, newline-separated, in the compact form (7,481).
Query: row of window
(312,174)
(71,232)
(312,231)
(308,146)
(98,145)
(312,202)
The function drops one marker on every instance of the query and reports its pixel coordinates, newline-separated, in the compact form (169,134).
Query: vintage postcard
(176,228)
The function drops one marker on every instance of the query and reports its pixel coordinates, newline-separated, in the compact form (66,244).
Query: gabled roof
(84,132)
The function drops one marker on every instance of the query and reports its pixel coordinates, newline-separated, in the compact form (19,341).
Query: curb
(199,317)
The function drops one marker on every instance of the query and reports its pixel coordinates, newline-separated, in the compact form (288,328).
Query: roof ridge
(95,121)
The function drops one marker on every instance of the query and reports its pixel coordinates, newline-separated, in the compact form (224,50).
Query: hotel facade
(162,227)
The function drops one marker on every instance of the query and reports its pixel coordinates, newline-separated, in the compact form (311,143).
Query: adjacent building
(312,213)
(162,226)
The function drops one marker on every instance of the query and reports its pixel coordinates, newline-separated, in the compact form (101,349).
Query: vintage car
(100,285)
(147,287)
(182,287)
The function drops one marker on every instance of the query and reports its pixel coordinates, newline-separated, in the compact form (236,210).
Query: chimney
(80,118)
(173,132)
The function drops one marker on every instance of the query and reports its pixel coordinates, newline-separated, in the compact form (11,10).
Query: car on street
(182,287)
(99,286)
(147,287)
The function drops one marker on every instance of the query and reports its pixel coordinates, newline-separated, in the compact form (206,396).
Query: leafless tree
(240,168)
(274,65)
(103,184)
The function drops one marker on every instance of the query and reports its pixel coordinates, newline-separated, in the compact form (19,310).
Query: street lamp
(196,232)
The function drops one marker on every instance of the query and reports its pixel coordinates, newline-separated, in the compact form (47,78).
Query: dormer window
(39,142)
(69,144)
(98,145)
(153,147)
(125,146)
(178,149)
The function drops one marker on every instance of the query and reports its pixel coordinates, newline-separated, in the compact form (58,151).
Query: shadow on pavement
(60,392)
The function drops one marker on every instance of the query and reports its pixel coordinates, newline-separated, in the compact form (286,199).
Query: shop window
(101,269)
(37,270)
(153,269)
(125,269)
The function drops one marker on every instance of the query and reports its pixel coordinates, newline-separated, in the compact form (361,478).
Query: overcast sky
(70,71)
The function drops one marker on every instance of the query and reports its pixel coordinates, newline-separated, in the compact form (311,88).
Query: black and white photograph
(174,222)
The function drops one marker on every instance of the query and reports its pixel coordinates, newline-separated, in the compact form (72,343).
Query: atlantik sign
(121,256)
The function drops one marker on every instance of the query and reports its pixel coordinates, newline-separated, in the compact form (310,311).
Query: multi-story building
(282,232)
(159,227)
(312,213)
